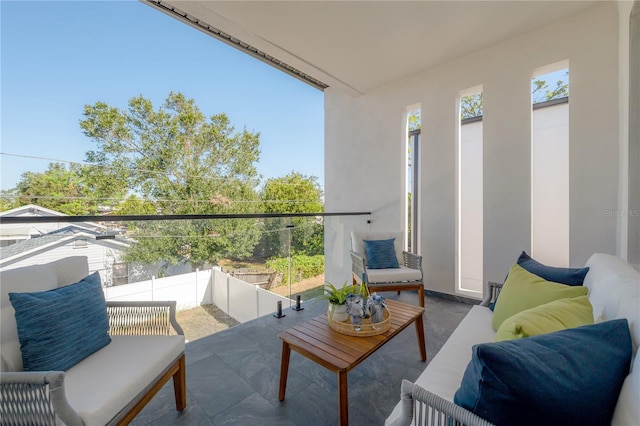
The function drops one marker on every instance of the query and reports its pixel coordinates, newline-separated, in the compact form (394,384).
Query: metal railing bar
(6,220)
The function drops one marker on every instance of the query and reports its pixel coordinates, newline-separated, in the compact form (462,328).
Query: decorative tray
(366,329)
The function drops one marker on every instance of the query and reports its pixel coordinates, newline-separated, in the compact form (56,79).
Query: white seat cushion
(393,275)
(100,386)
(28,279)
(444,373)
(627,410)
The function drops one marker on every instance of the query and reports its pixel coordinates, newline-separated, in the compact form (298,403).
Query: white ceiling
(361,45)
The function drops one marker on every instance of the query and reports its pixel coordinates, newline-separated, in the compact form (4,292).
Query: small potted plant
(337,298)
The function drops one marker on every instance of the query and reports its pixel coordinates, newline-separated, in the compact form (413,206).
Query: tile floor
(232,376)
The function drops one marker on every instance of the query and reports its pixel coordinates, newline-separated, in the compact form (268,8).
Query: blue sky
(57,57)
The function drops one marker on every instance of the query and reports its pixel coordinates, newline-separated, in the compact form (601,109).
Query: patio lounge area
(372,80)
(232,376)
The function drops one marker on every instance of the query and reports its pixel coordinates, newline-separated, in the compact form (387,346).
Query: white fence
(240,300)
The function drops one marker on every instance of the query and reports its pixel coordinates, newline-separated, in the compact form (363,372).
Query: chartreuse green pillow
(523,290)
(553,316)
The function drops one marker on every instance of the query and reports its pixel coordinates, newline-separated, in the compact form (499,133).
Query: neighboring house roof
(33,210)
(18,251)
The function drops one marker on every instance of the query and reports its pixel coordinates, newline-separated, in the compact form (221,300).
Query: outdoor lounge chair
(405,273)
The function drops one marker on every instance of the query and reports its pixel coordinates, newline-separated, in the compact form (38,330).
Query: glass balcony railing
(242,265)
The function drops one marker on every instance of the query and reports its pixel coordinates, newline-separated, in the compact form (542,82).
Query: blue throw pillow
(59,328)
(570,377)
(569,276)
(381,254)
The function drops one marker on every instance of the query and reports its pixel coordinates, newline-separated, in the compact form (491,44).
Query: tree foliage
(540,91)
(68,190)
(471,106)
(186,163)
(134,205)
(414,120)
(293,193)
(8,199)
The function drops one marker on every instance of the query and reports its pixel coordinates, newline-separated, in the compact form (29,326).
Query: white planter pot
(338,312)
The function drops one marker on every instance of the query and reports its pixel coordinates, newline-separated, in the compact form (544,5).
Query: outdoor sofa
(142,347)
(532,380)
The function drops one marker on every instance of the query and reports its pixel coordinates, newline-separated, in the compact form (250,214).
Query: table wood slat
(357,342)
(348,345)
(323,347)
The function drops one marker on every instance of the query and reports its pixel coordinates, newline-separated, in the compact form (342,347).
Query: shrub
(302,266)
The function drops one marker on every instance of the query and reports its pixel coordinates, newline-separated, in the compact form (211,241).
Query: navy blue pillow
(59,328)
(569,276)
(570,377)
(381,254)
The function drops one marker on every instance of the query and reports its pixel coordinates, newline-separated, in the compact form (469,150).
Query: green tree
(414,118)
(63,189)
(8,199)
(135,206)
(471,106)
(540,91)
(293,193)
(186,163)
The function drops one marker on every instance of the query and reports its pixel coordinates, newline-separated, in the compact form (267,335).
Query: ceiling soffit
(361,45)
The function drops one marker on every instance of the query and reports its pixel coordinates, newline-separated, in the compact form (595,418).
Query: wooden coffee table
(340,353)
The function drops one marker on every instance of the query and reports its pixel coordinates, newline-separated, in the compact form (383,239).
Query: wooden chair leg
(180,385)
(177,371)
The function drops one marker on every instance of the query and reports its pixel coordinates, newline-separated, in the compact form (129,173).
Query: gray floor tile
(253,410)
(233,376)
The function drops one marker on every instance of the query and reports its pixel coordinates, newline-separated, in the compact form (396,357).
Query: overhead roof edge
(234,42)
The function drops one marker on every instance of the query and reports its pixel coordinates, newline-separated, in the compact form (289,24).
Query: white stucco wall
(365,141)
(550,185)
(470,211)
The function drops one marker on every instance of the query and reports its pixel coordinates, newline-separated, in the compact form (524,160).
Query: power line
(134,236)
(84,163)
(63,197)
(160,217)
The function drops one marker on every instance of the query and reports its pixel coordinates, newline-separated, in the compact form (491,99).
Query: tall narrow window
(550,165)
(470,194)
(414,124)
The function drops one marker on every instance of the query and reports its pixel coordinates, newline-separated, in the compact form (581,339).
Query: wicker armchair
(408,277)
(38,397)
(47,397)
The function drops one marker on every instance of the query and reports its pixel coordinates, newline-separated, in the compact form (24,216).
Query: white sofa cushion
(603,270)
(444,372)
(614,292)
(627,410)
(101,385)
